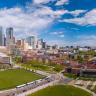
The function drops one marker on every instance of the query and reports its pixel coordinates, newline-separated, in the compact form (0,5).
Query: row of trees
(39,65)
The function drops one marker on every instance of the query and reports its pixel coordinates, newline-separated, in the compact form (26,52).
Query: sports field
(12,78)
(61,90)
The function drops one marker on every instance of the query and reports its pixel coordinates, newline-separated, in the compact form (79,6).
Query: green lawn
(61,90)
(48,67)
(12,78)
(69,75)
(38,67)
(94,89)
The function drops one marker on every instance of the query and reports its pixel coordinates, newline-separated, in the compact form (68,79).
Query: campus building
(4,59)
(88,69)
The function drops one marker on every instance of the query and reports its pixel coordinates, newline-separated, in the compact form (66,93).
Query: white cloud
(29,22)
(85,37)
(61,2)
(60,12)
(40,1)
(76,12)
(22,22)
(58,34)
(58,42)
(86,40)
(88,19)
(79,21)
(62,35)
(83,40)
(47,11)
(32,21)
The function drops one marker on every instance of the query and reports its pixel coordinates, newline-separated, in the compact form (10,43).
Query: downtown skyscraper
(2,37)
(9,36)
(31,40)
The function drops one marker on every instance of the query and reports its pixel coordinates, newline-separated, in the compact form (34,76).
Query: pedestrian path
(38,88)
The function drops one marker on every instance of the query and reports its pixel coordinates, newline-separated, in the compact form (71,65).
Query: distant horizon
(74,45)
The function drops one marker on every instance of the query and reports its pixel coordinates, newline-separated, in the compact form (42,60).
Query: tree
(18,59)
(58,68)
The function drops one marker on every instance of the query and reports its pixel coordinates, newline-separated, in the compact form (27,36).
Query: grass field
(12,78)
(61,90)
(69,75)
(48,67)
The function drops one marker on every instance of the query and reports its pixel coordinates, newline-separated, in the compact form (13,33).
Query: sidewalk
(38,88)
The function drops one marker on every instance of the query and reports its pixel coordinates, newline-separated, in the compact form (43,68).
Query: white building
(83,49)
(4,49)
(31,40)
(4,59)
(40,44)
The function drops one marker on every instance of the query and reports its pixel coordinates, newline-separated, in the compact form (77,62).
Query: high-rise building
(39,43)
(31,40)
(4,41)
(14,40)
(1,36)
(19,43)
(44,45)
(9,36)
(55,46)
(22,44)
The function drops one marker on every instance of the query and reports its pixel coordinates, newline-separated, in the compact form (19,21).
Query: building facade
(31,40)
(1,36)
(9,36)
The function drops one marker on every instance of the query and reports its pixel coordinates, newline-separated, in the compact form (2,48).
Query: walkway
(38,88)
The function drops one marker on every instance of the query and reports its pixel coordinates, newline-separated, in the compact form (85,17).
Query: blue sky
(64,22)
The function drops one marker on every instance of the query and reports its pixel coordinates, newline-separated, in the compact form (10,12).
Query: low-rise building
(5,59)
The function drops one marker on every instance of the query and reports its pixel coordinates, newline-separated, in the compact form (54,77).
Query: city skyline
(64,22)
(9,40)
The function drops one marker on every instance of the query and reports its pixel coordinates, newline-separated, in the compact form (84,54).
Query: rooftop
(3,55)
